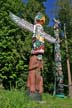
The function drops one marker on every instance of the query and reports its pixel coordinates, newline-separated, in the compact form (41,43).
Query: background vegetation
(15,43)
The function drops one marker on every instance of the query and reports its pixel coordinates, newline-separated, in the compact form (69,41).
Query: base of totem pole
(60,90)
(60,95)
(34,96)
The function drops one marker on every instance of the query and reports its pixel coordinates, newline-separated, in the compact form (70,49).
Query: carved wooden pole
(58,65)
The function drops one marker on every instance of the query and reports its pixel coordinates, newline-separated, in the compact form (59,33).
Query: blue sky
(49,4)
(50,7)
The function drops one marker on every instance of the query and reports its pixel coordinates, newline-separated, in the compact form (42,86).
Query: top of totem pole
(39,17)
(56,20)
(57,24)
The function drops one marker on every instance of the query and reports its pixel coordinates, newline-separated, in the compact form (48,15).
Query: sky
(50,7)
(49,4)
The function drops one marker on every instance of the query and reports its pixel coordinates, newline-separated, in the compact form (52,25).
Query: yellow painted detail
(41,39)
(43,18)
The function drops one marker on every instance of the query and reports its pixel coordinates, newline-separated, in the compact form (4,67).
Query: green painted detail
(37,44)
(60,95)
(39,57)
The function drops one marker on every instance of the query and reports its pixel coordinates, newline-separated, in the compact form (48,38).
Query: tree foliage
(12,59)
(15,43)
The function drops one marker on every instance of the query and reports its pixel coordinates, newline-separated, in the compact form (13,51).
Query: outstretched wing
(49,38)
(21,22)
(26,25)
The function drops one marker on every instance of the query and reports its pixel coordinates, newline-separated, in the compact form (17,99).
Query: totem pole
(59,91)
(35,80)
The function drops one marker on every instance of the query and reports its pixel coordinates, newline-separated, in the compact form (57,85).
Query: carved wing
(21,22)
(49,38)
(26,25)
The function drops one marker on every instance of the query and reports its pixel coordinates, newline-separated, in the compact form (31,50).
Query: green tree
(11,44)
(15,43)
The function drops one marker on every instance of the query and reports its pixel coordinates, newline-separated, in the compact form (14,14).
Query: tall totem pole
(59,89)
(35,80)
